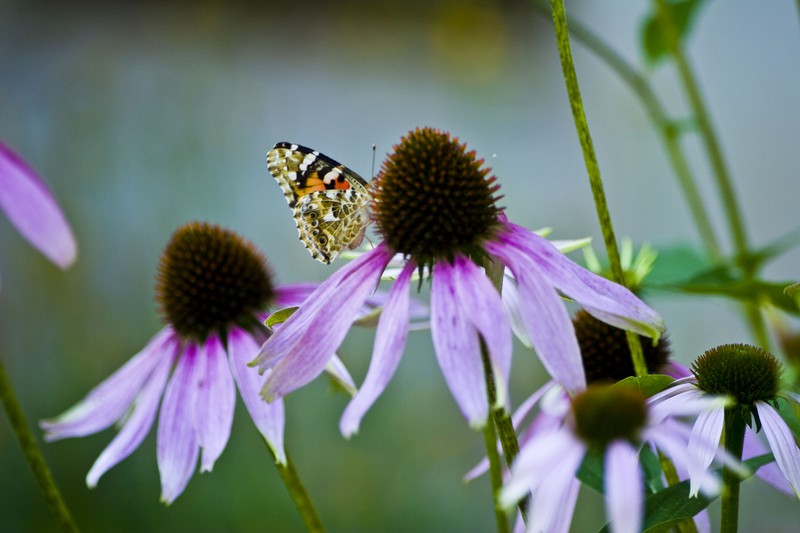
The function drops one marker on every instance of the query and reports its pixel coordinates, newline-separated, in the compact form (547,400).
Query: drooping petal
(484,308)
(606,300)
(769,473)
(546,319)
(137,426)
(177,449)
(268,417)
(553,503)
(457,348)
(31,208)
(511,300)
(306,341)
(707,429)
(111,399)
(293,294)
(214,401)
(390,339)
(781,441)
(666,437)
(624,487)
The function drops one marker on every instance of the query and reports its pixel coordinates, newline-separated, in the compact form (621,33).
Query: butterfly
(329,202)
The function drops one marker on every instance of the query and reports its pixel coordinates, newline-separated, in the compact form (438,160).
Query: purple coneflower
(31,208)
(752,377)
(616,421)
(434,204)
(213,288)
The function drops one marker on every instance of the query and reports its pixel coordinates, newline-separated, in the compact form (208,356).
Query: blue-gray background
(144,116)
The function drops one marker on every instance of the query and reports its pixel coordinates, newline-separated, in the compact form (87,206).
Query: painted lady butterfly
(330,202)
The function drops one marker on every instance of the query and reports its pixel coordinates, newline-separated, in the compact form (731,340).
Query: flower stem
(665,126)
(595,181)
(300,497)
(33,454)
(490,440)
(734,442)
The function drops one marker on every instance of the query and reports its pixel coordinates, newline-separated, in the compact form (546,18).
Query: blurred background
(144,115)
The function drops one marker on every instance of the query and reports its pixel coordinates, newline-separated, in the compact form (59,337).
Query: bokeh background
(144,115)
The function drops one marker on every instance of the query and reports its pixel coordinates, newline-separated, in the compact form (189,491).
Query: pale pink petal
(457,349)
(769,473)
(31,208)
(304,344)
(111,399)
(606,300)
(482,305)
(390,339)
(707,430)
(546,319)
(781,441)
(177,449)
(267,417)
(215,399)
(137,426)
(624,487)
(667,437)
(511,299)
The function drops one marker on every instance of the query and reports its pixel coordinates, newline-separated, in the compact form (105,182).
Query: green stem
(490,440)
(666,127)
(734,442)
(721,174)
(33,454)
(300,497)
(595,181)
(671,475)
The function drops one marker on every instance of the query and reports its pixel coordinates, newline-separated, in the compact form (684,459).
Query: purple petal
(769,473)
(781,441)
(390,339)
(707,430)
(457,349)
(176,445)
(31,208)
(111,399)
(136,427)
(623,487)
(215,399)
(484,308)
(293,294)
(304,344)
(670,440)
(268,417)
(546,319)
(511,300)
(604,299)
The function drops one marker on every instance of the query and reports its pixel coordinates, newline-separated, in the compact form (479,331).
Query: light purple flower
(192,371)
(464,304)
(551,455)
(31,208)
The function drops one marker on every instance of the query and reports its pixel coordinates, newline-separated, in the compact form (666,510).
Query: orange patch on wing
(343,185)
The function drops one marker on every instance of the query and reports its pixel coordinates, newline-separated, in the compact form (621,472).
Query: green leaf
(719,283)
(652,40)
(647,385)
(279,317)
(591,471)
(675,263)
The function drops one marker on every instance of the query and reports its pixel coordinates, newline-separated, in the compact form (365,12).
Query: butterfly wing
(330,202)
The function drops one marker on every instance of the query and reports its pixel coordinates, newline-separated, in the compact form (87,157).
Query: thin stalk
(300,496)
(595,181)
(33,455)
(490,440)
(721,174)
(734,442)
(671,475)
(665,126)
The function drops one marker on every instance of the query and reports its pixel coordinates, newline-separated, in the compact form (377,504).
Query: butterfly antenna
(373,161)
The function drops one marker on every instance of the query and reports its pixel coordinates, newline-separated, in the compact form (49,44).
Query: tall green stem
(595,181)
(490,440)
(665,126)
(33,455)
(721,174)
(734,442)
(300,496)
